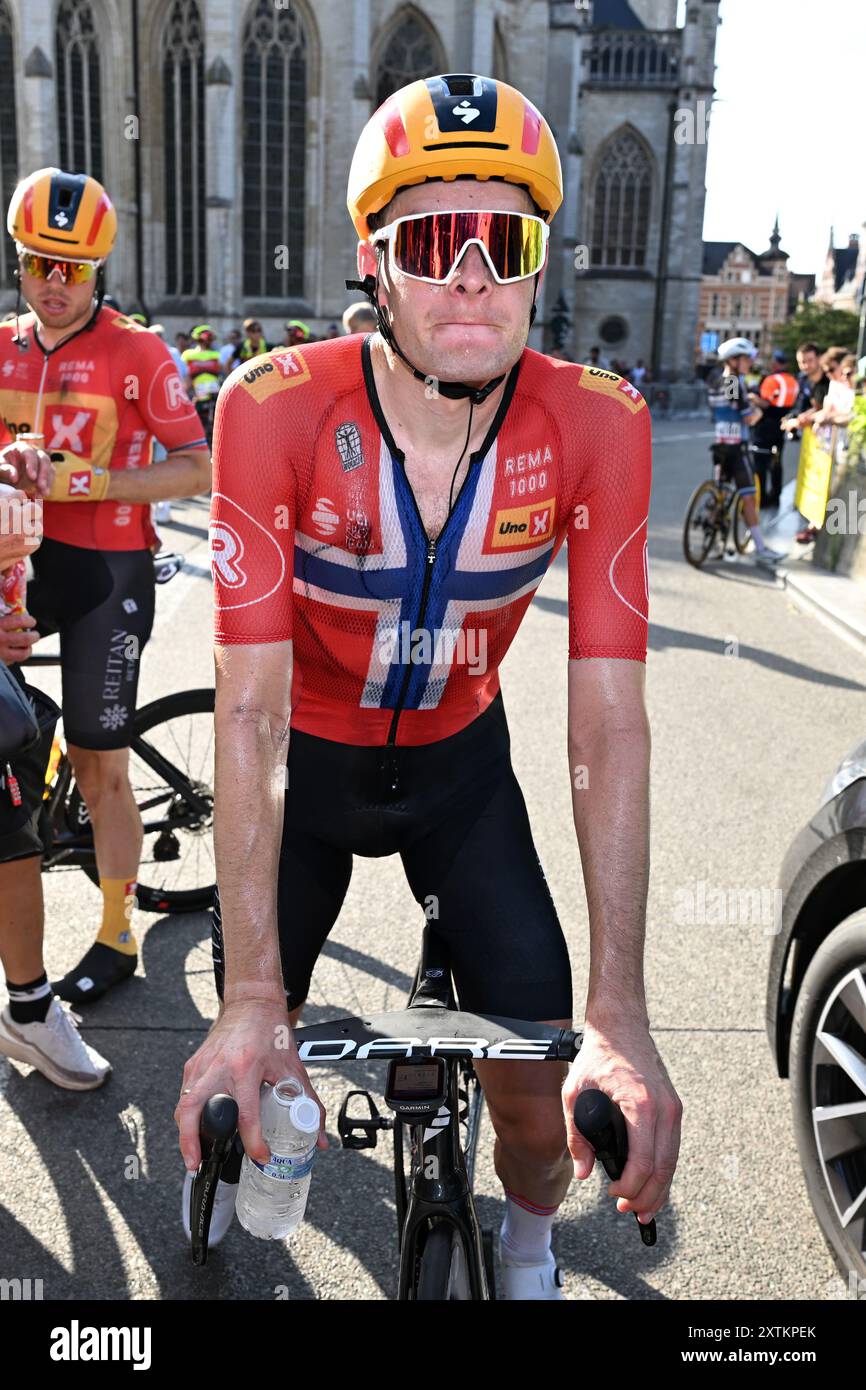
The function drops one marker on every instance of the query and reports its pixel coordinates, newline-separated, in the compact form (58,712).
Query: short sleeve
(608,588)
(252,526)
(163,404)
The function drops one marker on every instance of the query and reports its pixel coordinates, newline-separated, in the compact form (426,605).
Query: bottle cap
(305,1114)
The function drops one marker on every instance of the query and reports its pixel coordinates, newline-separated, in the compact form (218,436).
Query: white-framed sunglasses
(429,246)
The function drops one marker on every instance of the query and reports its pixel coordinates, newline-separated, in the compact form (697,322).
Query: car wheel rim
(838,1103)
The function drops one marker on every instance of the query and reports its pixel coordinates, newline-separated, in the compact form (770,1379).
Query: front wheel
(828,1085)
(704,517)
(442,1274)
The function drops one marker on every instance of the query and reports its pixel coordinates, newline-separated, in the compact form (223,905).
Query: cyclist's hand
(16,646)
(26,467)
(246,1046)
(624,1063)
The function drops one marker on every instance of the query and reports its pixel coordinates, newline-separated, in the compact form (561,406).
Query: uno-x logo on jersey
(609,384)
(275,372)
(226,550)
(69,429)
(532,525)
(79,484)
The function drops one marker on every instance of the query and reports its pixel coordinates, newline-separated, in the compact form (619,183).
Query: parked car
(816,1008)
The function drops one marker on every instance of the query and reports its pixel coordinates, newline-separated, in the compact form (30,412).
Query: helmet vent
(461,85)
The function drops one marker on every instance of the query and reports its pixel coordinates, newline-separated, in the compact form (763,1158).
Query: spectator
(768,439)
(182,341)
(596,359)
(230,352)
(297,332)
(814,385)
(360,318)
(838,406)
(332,331)
(637,373)
(253,344)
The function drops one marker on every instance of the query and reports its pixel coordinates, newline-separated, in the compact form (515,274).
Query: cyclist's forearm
(611,818)
(180,475)
(250,758)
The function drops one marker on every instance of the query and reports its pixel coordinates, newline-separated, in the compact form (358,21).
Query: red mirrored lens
(429,246)
(73,272)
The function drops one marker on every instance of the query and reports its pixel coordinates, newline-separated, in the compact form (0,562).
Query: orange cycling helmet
(64,215)
(450,127)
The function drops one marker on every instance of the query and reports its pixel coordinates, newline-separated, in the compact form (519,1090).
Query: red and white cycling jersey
(316,537)
(102,395)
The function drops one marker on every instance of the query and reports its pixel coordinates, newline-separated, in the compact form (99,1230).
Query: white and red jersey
(103,395)
(316,536)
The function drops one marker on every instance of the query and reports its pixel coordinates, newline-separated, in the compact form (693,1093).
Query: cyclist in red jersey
(89,388)
(378,544)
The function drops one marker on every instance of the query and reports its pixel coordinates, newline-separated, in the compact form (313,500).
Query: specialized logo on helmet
(532,525)
(609,384)
(461,100)
(60,219)
(276,372)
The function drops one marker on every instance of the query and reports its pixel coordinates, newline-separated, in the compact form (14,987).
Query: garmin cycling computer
(416,1087)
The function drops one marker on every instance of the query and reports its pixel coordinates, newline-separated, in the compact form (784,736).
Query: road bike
(171,774)
(434,1093)
(715,519)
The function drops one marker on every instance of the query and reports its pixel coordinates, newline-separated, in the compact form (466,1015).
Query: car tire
(830,1017)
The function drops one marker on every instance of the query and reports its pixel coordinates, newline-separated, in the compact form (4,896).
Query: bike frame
(441,1179)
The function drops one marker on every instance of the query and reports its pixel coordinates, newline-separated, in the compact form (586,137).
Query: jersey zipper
(389,764)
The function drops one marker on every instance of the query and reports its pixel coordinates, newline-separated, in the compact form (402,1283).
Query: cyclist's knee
(100,773)
(531,1129)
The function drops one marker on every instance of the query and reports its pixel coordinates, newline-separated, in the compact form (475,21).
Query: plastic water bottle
(272,1197)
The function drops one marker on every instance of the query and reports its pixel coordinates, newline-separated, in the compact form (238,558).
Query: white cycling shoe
(523,1281)
(55,1047)
(223,1209)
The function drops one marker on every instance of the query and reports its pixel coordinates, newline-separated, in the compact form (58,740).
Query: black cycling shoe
(100,969)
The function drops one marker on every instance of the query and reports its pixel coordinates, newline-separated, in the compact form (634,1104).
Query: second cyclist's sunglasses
(429,245)
(73,272)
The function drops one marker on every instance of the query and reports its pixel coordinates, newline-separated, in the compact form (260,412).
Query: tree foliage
(816,323)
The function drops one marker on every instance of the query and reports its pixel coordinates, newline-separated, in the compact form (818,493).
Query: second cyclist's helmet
(63,215)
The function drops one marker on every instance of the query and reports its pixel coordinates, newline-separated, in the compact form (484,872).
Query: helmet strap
(452,390)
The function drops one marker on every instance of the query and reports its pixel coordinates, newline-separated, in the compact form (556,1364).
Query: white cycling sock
(760,543)
(526,1228)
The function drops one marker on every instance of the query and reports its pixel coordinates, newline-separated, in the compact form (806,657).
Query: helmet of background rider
(298,330)
(736,347)
(450,127)
(204,335)
(69,216)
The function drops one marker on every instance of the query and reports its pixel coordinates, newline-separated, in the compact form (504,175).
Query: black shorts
(459,824)
(102,603)
(19,825)
(736,466)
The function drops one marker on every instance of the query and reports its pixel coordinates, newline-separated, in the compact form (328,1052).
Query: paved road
(751,703)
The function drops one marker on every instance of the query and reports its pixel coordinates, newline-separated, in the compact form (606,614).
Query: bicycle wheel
(442,1275)
(171,774)
(703,516)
